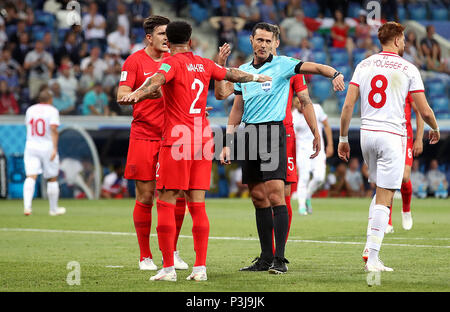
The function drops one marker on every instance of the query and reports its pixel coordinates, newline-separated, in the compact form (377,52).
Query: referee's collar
(268,59)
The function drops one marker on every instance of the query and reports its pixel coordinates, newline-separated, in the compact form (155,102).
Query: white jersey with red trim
(38,119)
(384,80)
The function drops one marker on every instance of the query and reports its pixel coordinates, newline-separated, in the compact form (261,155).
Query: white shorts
(38,162)
(317,166)
(384,154)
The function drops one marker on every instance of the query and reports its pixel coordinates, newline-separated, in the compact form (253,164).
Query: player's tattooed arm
(307,109)
(237,75)
(150,89)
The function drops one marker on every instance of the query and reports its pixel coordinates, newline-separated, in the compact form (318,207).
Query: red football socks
(390,215)
(180,211)
(289,209)
(200,231)
(166,231)
(406,191)
(142,217)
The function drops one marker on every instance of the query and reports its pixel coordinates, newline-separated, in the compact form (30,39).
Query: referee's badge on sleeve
(266,86)
(123,76)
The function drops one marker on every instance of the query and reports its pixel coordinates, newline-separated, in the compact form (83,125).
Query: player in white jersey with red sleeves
(383,81)
(41,152)
(306,166)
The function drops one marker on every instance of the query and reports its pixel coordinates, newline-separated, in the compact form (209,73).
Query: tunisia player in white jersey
(41,152)
(383,81)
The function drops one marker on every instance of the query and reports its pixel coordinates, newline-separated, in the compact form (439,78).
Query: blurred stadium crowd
(41,48)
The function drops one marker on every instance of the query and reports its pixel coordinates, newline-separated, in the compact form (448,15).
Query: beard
(401,51)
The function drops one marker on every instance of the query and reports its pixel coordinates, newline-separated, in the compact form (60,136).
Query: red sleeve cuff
(354,83)
(416,91)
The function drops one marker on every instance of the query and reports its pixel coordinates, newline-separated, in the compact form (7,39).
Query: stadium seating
(439,13)
(401,13)
(417,12)
(244,44)
(319,56)
(217,105)
(317,42)
(45,19)
(291,51)
(320,88)
(345,70)
(353,9)
(198,13)
(338,55)
(311,9)
(435,87)
(440,106)
(358,56)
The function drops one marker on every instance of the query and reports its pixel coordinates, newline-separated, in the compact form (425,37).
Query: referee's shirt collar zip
(257,66)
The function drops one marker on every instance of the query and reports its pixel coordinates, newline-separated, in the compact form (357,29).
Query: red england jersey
(148,115)
(298,84)
(185,93)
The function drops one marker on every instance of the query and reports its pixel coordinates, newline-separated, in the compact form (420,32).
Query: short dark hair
(153,21)
(45,96)
(264,26)
(389,31)
(178,32)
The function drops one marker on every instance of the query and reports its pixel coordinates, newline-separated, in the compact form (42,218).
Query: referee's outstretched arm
(324,70)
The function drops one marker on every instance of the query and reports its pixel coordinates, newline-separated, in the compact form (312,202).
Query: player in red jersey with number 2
(186,154)
(145,138)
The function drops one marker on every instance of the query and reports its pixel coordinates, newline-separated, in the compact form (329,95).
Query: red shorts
(142,159)
(186,167)
(409,147)
(291,154)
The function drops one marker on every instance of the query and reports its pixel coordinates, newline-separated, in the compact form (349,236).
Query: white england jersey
(303,134)
(38,119)
(384,80)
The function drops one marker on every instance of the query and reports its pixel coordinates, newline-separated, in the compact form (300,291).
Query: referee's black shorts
(265,152)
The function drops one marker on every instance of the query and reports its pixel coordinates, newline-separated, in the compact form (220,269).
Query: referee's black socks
(280,227)
(264,224)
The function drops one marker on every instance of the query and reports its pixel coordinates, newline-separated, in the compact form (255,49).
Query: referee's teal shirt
(266,102)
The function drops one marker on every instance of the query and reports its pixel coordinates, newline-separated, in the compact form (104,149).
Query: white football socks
(53,195)
(380,219)
(28,192)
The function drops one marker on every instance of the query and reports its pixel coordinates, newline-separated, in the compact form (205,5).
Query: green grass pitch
(324,249)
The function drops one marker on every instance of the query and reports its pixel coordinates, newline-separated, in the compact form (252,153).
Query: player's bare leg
(28,192)
(378,224)
(200,233)
(406,190)
(142,217)
(53,196)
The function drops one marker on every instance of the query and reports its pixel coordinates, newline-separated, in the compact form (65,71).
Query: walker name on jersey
(195,67)
(384,64)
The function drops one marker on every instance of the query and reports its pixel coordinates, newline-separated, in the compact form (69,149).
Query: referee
(262,107)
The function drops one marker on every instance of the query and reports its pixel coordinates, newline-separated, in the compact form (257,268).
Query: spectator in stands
(122,17)
(119,42)
(434,61)
(9,67)
(8,102)
(198,47)
(291,6)
(306,54)
(269,13)
(370,47)
(39,64)
(14,37)
(227,29)
(437,181)
(237,189)
(339,33)
(338,184)
(412,50)
(95,102)
(362,30)
(52,6)
(94,25)
(47,40)
(69,48)
(249,11)
(3,36)
(293,30)
(224,9)
(21,49)
(61,100)
(139,10)
(418,180)
(87,79)
(426,44)
(354,179)
(369,187)
(67,81)
(114,184)
(99,64)
(11,16)
(112,77)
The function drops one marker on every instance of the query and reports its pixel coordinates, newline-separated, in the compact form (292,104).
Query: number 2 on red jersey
(196,82)
(378,90)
